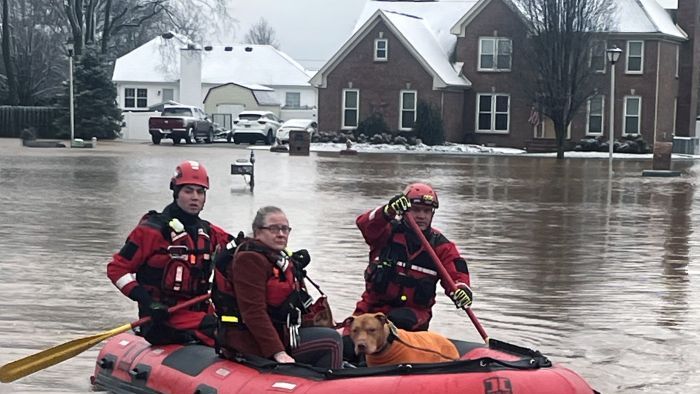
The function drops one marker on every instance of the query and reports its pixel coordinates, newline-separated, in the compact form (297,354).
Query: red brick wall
(380,84)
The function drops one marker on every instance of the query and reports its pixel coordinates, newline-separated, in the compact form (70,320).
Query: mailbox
(242,167)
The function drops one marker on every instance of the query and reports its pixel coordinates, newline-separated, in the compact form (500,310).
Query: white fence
(135,125)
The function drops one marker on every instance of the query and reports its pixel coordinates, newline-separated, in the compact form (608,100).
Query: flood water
(600,275)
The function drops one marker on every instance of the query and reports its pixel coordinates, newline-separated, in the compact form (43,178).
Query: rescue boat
(128,364)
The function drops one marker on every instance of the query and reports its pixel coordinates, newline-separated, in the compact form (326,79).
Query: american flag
(534,118)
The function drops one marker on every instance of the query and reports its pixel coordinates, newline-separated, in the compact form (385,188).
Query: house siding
(495,20)
(380,83)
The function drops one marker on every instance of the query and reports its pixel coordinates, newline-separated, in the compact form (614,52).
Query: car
(309,125)
(181,122)
(252,126)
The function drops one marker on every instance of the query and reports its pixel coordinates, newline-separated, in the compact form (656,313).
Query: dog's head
(369,332)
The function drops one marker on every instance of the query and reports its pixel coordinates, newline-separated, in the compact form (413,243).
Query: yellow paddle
(46,358)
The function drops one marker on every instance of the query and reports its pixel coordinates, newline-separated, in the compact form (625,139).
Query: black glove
(301,257)
(461,296)
(398,205)
(157,311)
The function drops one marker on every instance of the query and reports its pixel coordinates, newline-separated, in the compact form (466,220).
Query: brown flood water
(600,275)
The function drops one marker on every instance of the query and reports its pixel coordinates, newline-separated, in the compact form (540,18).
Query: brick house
(466,58)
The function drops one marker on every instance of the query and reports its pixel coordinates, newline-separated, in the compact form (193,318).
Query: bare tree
(30,47)
(7,46)
(562,34)
(262,33)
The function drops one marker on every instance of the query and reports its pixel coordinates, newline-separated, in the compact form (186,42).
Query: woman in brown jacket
(259,295)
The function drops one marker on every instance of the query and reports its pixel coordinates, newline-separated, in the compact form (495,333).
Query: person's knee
(403,318)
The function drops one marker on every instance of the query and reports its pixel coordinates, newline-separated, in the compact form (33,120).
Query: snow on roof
(425,45)
(645,16)
(159,61)
(439,16)
(424,27)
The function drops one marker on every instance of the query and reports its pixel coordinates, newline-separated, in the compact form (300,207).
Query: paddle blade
(44,359)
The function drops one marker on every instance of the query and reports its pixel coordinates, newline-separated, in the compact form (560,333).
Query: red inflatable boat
(127,363)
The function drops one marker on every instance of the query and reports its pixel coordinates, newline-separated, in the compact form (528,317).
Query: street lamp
(70,89)
(613,56)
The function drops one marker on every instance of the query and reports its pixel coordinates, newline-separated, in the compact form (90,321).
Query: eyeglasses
(276,228)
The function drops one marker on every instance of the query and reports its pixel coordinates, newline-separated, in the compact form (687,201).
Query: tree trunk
(560,132)
(7,55)
(107,28)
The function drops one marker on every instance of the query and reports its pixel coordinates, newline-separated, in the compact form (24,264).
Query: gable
(414,34)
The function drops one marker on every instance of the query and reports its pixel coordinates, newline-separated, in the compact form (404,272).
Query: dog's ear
(381,317)
(348,321)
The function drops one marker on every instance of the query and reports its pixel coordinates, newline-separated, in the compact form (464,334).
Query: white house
(170,67)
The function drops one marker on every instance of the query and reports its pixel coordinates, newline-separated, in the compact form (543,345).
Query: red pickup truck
(181,122)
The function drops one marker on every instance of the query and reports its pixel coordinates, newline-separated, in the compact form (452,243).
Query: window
(493,113)
(351,108)
(292,100)
(135,98)
(408,109)
(598,58)
(594,123)
(494,54)
(635,57)
(633,109)
(381,50)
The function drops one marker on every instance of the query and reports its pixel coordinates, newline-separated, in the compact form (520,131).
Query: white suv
(251,126)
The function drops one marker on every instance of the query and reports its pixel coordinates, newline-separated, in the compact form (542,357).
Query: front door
(545,130)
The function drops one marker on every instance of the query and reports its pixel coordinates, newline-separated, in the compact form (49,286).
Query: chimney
(689,59)
(191,75)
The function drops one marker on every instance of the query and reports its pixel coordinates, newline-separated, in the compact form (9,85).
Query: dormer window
(381,50)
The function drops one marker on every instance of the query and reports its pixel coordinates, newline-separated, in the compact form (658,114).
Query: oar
(44,359)
(443,273)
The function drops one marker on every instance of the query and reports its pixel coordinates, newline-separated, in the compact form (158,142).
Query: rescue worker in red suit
(167,259)
(260,297)
(401,277)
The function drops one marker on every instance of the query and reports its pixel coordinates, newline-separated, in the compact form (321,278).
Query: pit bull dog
(383,344)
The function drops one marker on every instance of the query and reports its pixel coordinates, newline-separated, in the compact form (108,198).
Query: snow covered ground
(469,149)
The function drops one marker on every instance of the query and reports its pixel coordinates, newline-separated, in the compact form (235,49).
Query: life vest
(285,291)
(401,278)
(182,269)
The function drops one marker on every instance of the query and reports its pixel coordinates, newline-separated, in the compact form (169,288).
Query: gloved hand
(462,296)
(157,311)
(398,205)
(301,257)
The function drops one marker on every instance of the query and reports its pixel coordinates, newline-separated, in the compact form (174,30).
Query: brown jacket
(249,275)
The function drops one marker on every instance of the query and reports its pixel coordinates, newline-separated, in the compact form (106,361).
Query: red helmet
(420,193)
(190,173)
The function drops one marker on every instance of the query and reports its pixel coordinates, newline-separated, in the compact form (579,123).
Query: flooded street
(601,276)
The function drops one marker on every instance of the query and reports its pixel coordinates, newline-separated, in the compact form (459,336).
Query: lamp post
(613,56)
(70,90)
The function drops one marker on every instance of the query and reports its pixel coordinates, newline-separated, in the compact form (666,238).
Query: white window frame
(495,42)
(626,115)
(402,109)
(602,45)
(378,55)
(493,113)
(136,97)
(629,55)
(286,100)
(343,124)
(602,115)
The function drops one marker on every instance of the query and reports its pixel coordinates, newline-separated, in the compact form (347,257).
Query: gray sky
(310,31)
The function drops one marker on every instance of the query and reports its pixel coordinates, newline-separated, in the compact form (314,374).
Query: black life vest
(183,268)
